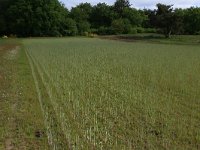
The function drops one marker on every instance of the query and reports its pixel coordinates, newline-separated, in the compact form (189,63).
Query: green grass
(104,94)
(20,113)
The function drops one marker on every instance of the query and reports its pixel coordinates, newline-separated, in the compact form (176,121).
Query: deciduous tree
(164,19)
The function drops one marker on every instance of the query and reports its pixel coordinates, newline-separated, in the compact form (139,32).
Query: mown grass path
(21,120)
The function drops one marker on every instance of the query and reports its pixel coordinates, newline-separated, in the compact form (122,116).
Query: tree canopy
(165,19)
(26,18)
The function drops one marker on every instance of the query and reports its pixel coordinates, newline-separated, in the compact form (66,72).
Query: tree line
(26,18)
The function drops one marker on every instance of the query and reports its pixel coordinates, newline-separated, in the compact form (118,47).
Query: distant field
(101,94)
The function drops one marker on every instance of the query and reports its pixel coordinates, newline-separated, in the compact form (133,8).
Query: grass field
(104,94)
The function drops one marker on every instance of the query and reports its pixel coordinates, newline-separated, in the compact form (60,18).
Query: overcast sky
(138,3)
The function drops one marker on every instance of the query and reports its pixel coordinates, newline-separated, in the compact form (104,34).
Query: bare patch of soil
(8,145)
(12,53)
(39,134)
(118,38)
(134,38)
(7,47)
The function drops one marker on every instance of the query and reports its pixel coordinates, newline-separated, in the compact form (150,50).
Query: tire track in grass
(79,89)
(115,135)
(54,87)
(113,90)
(113,94)
(58,110)
(57,89)
(70,114)
(39,98)
(58,134)
(48,76)
(53,103)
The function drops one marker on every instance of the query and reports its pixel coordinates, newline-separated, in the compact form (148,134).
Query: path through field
(20,114)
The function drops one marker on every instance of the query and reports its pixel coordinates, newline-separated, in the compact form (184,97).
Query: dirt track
(7,47)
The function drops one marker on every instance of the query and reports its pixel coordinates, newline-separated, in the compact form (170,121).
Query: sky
(140,4)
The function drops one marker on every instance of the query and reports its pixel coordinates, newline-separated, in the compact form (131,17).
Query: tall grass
(116,95)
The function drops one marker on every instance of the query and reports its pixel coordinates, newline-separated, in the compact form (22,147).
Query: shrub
(85,34)
(127,26)
(70,27)
(92,35)
(140,30)
(143,30)
(94,31)
(105,30)
(150,30)
(197,33)
(83,27)
(120,26)
(54,33)
(133,31)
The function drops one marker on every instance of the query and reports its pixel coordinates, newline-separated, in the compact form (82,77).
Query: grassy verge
(21,120)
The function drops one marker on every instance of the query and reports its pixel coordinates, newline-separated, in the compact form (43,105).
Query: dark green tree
(134,16)
(150,21)
(4,5)
(121,26)
(51,18)
(102,15)
(178,24)
(192,20)
(120,5)
(164,19)
(36,17)
(83,27)
(81,14)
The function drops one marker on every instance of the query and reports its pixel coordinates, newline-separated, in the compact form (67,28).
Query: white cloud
(177,3)
(138,3)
